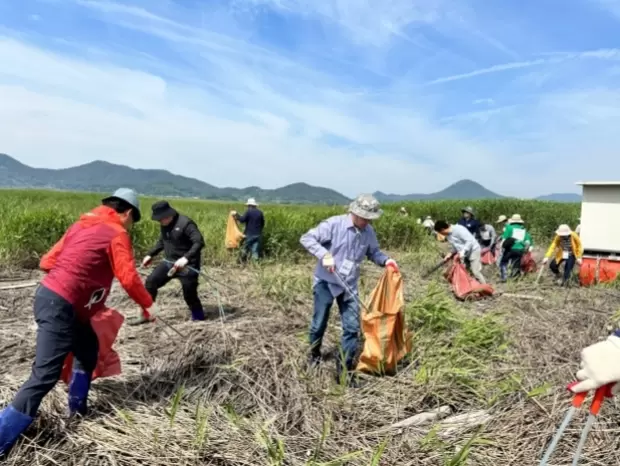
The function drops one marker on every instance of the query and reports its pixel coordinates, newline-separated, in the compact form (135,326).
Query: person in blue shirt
(254,221)
(469,221)
(340,244)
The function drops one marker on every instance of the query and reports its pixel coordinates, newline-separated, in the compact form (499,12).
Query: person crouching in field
(568,250)
(516,241)
(341,243)
(79,273)
(488,236)
(182,243)
(464,244)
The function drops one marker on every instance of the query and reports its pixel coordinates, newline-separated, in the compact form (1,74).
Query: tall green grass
(33,220)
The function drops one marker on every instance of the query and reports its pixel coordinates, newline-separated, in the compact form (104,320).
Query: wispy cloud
(339,93)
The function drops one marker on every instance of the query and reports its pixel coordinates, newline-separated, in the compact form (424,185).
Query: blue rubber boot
(78,393)
(12,425)
(198,314)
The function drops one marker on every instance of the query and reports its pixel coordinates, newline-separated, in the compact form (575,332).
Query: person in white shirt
(428,224)
(464,244)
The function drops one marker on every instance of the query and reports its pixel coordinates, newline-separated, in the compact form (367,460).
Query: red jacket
(82,265)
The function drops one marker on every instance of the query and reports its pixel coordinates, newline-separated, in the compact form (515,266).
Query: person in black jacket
(182,244)
(254,224)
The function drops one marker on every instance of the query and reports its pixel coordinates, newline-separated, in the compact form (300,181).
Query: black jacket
(180,238)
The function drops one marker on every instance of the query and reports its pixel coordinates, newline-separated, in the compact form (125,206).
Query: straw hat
(252,202)
(516,218)
(501,219)
(563,230)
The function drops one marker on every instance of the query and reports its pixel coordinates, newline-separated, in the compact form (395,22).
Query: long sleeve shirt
(462,240)
(348,245)
(254,222)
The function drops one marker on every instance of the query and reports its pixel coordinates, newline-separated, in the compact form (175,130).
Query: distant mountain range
(99,176)
(102,176)
(468,190)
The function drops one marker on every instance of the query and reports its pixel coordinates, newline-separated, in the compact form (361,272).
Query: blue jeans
(251,247)
(349,316)
(569,265)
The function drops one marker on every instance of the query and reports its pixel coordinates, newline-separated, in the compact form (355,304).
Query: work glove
(579,260)
(180,263)
(328,262)
(545,260)
(600,365)
(447,257)
(153,310)
(146,261)
(233,213)
(391,263)
(462,256)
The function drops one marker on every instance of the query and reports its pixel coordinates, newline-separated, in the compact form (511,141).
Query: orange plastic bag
(106,324)
(233,234)
(464,285)
(528,264)
(387,339)
(488,257)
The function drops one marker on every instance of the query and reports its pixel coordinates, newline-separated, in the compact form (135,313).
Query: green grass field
(34,219)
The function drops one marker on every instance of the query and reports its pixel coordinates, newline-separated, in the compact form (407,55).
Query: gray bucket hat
(130,197)
(366,207)
(469,210)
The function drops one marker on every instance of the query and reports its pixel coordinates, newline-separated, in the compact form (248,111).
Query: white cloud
(207,98)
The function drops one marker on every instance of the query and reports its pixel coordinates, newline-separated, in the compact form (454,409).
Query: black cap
(161,209)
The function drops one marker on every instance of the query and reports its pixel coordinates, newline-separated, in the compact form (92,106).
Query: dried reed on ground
(239,393)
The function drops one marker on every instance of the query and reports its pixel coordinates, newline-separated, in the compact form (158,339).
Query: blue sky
(402,96)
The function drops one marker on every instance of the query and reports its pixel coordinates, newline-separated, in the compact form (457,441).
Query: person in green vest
(516,241)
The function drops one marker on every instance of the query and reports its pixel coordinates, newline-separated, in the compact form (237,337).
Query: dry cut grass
(237,392)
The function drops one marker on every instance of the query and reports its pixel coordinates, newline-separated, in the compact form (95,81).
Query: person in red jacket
(80,270)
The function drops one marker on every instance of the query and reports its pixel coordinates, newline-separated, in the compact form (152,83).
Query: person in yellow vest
(568,250)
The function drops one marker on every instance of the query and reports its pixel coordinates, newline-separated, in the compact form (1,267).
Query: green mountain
(461,190)
(560,197)
(102,176)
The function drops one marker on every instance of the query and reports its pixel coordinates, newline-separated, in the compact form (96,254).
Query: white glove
(545,260)
(146,261)
(531,248)
(153,310)
(180,263)
(462,255)
(600,365)
(328,262)
(233,212)
(579,261)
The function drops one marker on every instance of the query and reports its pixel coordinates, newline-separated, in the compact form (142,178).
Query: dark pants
(349,315)
(189,282)
(569,265)
(251,247)
(513,258)
(487,243)
(58,334)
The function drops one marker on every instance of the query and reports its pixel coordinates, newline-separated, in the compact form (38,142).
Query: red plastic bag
(106,324)
(488,257)
(464,285)
(528,264)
